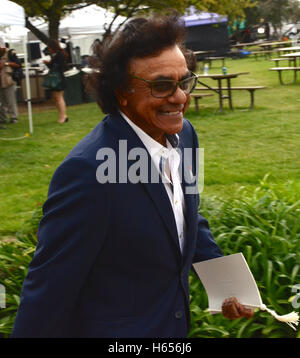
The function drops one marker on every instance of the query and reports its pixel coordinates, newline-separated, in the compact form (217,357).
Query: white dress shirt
(168,159)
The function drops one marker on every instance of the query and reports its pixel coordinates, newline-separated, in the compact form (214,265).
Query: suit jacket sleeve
(206,247)
(70,236)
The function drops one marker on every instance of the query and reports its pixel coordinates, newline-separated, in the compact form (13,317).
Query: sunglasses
(166,88)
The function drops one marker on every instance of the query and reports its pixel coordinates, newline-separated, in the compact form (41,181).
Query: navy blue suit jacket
(108,262)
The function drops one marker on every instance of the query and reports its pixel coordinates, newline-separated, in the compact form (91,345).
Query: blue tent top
(194,18)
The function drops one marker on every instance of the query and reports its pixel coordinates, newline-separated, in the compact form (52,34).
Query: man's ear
(122,97)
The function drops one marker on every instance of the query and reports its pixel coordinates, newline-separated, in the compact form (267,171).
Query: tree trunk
(39,34)
(53,27)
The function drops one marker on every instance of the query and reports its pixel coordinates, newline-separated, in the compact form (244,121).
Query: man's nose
(179,96)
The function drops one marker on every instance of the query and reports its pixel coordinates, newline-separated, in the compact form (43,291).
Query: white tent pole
(28,92)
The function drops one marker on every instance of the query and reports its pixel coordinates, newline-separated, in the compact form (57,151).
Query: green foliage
(53,11)
(44,8)
(265,227)
(233,9)
(15,255)
(276,12)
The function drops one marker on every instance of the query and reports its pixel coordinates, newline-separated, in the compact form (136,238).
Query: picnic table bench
(266,53)
(210,59)
(198,96)
(277,60)
(282,69)
(250,89)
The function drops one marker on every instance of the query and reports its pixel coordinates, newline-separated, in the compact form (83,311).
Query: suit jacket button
(178,314)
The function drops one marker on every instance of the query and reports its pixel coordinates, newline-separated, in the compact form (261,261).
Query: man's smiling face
(156,116)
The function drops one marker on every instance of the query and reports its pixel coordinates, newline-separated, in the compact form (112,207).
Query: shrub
(16,253)
(265,227)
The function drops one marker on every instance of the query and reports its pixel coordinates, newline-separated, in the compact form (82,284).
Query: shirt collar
(152,145)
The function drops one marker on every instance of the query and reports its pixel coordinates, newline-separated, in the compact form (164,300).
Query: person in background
(17,74)
(2,51)
(85,60)
(58,63)
(8,100)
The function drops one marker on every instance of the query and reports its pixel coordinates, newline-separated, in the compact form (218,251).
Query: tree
(131,8)
(275,12)
(52,11)
(232,8)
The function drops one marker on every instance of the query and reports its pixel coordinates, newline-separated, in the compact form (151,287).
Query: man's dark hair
(140,37)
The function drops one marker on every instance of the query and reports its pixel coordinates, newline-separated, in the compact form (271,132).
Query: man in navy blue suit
(121,227)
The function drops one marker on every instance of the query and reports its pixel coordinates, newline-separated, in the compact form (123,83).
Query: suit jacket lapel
(157,190)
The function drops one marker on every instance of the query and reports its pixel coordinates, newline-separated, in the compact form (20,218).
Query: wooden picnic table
(287,49)
(209,59)
(219,90)
(203,52)
(270,45)
(295,69)
(291,57)
(246,44)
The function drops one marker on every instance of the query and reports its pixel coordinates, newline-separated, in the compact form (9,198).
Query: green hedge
(264,226)
(16,253)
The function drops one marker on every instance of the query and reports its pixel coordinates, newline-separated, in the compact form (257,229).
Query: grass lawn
(241,146)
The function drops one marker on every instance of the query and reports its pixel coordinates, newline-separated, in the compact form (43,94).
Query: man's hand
(232,309)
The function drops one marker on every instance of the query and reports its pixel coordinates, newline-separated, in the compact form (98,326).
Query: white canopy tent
(12,22)
(82,26)
(88,20)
